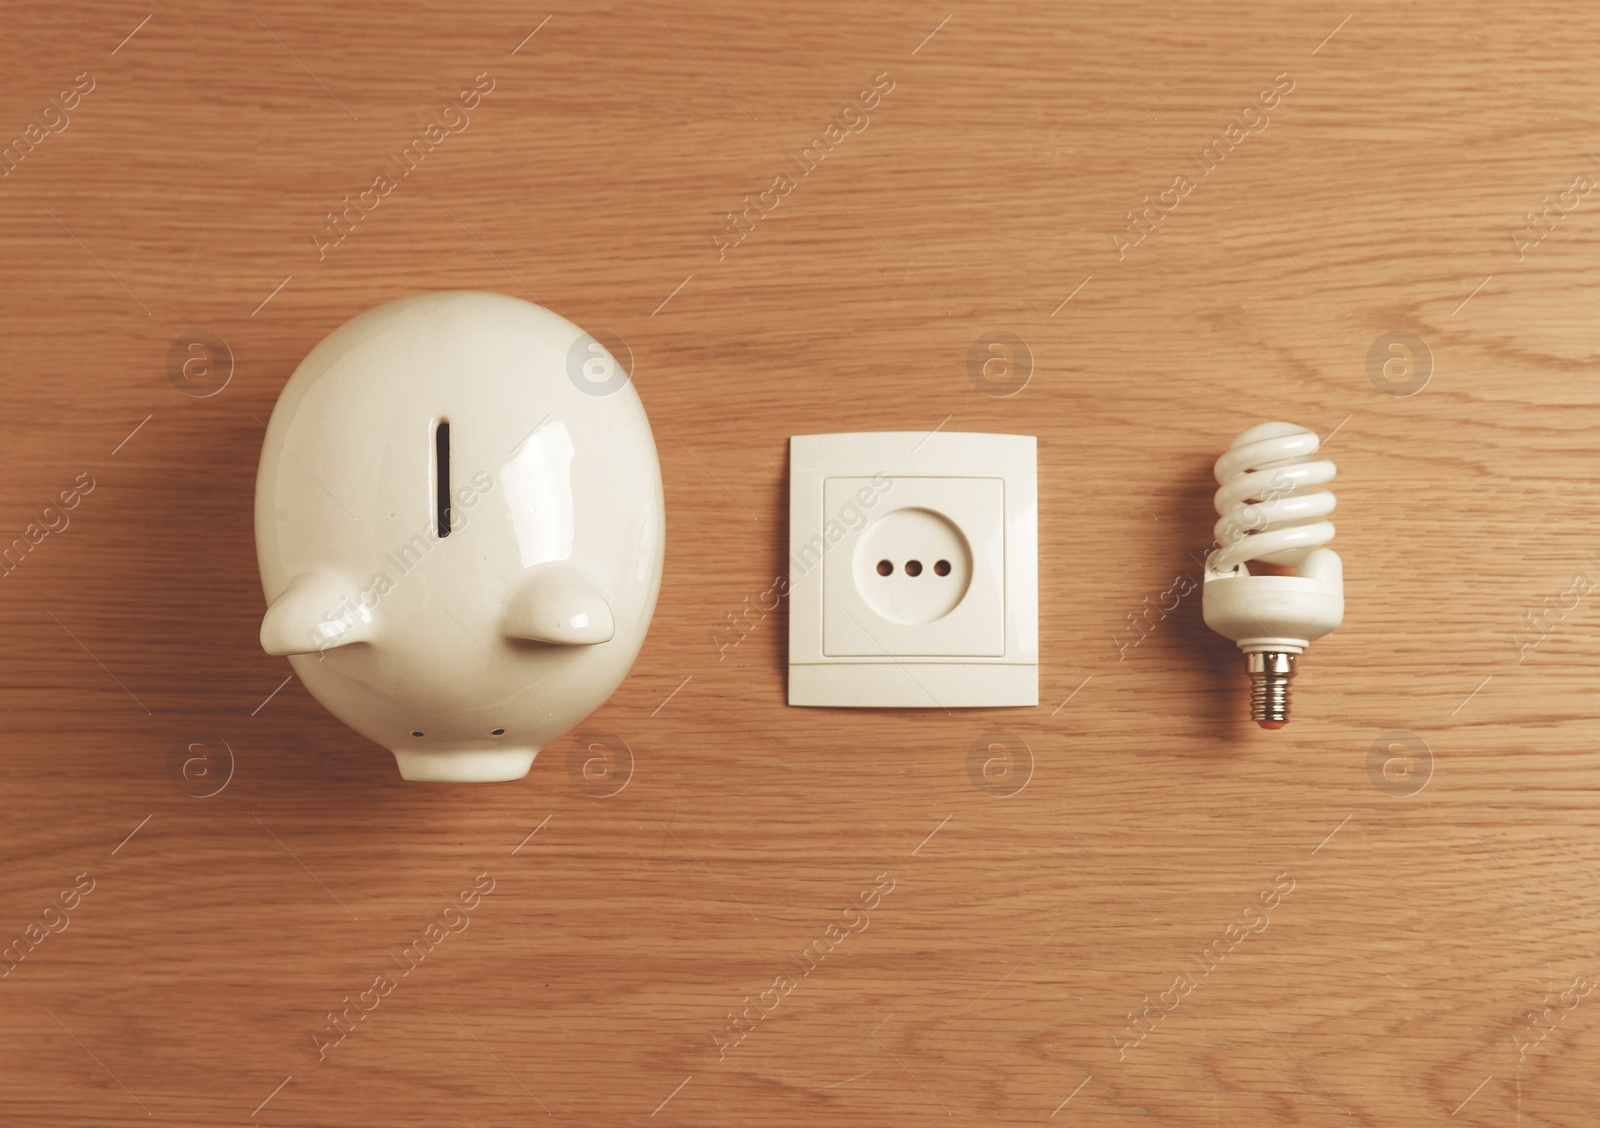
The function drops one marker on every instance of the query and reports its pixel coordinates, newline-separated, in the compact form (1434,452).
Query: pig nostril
(416,732)
(498,732)
(884,567)
(913,567)
(942,568)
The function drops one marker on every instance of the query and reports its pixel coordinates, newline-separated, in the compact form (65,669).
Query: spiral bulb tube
(1270,505)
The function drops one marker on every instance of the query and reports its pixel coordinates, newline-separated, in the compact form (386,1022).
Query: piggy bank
(460,530)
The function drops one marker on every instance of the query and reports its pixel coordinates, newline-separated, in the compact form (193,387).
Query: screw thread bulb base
(1270,673)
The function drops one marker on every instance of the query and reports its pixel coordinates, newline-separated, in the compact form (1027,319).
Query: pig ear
(557,603)
(316,612)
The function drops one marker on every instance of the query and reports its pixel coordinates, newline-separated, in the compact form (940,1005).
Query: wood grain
(1024,934)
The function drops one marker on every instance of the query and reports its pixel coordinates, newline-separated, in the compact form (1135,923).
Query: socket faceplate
(913,570)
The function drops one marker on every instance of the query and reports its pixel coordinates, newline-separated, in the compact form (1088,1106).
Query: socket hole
(913,567)
(498,732)
(416,732)
(885,568)
(942,568)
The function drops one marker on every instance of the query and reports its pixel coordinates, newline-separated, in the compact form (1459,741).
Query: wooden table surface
(1149,911)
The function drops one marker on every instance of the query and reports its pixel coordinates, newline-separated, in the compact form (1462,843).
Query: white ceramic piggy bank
(460,529)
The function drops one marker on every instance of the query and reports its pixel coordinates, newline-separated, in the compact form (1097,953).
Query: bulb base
(1270,673)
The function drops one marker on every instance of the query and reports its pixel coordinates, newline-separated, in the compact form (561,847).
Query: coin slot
(441,476)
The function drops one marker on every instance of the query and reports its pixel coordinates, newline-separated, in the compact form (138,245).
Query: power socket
(913,570)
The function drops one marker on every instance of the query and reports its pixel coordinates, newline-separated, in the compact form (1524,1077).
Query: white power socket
(913,570)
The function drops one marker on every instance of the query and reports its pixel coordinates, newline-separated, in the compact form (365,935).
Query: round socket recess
(912,565)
